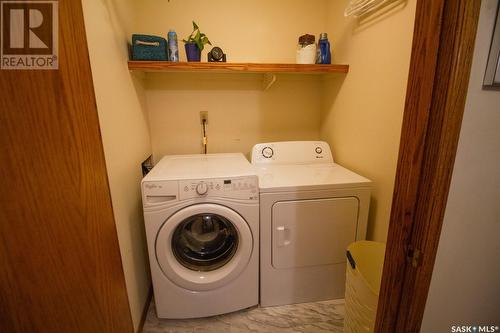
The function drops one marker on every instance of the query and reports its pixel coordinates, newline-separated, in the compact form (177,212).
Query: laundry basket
(364,273)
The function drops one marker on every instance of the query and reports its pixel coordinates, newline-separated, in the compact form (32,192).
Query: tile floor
(318,317)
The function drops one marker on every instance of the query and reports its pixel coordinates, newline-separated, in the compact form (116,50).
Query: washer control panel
(202,188)
(245,188)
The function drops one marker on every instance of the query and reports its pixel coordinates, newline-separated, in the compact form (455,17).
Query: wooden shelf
(166,66)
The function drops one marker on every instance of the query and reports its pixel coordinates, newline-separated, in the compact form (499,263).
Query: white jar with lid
(306,50)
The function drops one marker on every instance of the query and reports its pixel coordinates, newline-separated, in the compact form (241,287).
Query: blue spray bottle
(325,55)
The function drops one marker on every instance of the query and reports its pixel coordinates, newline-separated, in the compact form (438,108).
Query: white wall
(125,135)
(465,286)
(362,114)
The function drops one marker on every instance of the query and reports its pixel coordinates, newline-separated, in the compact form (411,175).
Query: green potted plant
(195,43)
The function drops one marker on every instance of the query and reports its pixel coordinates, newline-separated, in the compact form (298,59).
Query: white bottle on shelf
(306,50)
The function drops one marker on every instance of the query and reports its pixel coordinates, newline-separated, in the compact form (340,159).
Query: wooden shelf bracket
(268,80)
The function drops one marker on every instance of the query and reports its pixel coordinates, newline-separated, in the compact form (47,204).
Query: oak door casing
(443,46)
(60,263)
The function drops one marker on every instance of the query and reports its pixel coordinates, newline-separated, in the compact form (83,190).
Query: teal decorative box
(146,47)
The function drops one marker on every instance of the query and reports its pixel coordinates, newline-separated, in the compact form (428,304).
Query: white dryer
(311,209)
(202,225)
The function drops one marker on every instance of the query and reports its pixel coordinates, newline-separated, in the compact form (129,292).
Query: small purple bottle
(325,55)
(173,47)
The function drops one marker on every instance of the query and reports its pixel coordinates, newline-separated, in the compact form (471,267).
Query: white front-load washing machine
(201,214)
(311,209)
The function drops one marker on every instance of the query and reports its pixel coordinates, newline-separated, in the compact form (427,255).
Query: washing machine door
(204,246)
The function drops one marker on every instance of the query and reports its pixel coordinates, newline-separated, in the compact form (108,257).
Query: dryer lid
(301,165)
(278,178)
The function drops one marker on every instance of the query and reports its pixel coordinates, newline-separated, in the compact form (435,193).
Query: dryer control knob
(267,152)
(202,188)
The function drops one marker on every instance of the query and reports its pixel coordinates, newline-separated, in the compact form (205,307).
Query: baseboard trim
(145,310)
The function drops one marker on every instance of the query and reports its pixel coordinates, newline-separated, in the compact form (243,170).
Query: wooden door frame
(443,45)
(59,251)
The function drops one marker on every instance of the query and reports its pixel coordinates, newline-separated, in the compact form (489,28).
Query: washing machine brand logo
(152,186)
(29,34)
(475,328)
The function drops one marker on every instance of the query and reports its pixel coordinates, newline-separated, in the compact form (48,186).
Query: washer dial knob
(318,150)
(267,152)
(202,188)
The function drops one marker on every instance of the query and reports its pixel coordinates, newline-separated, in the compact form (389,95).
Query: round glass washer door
(204,246)
(205,242)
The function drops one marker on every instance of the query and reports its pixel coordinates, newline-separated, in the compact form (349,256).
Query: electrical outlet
(203,116)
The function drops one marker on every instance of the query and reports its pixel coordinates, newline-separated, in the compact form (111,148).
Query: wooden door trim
(59,252)
(443,45)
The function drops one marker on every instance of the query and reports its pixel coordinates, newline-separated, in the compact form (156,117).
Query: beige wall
(241,113)
(359,114)
(248,31)
(123,122)
(362,114)
(465,288)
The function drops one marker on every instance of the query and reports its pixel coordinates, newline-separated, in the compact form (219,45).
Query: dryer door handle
(284,236)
